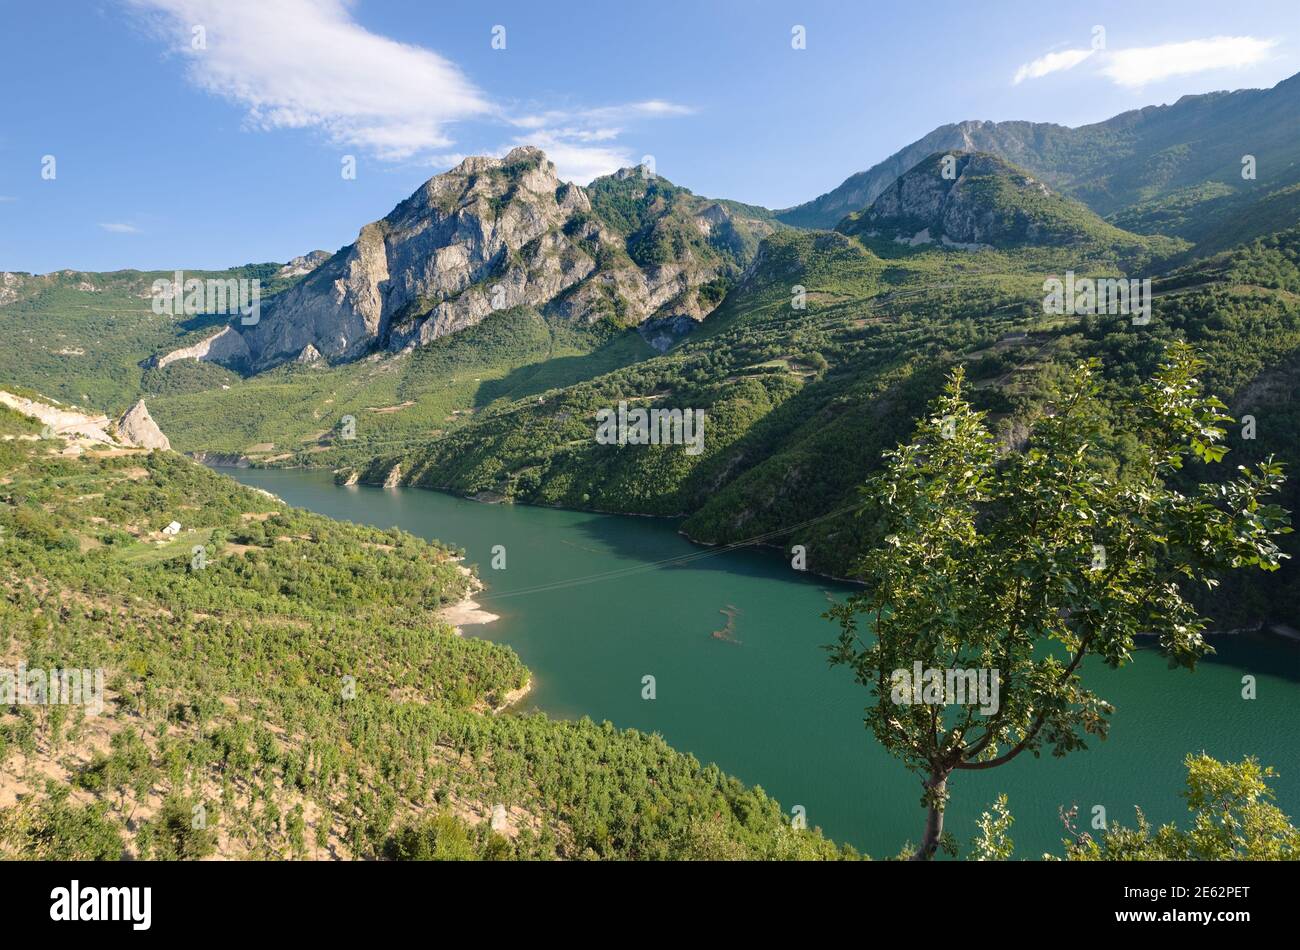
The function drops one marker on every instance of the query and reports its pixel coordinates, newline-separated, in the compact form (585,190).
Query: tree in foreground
(999,573)
(1233,819)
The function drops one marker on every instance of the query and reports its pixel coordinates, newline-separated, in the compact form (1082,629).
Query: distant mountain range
(1152,165)
(973,200)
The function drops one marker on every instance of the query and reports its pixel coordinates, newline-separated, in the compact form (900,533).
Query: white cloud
(1141,65)
(307,64)
(582,142)
(295,64)
(602,115)
(650,108)
(119,227)
(1051,63)
(445,159)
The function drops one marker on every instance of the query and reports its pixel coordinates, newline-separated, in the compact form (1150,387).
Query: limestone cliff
(497,233)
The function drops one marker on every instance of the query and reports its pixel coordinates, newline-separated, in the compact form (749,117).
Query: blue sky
(167,155)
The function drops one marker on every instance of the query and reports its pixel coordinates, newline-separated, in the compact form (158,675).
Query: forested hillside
(281,685)
(800,402)
(82,337)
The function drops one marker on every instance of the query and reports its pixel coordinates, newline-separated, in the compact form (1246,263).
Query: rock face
(969,200)
(308,356)
(225,346)
(138,428)
(62,422)
(497,233)
(10,285)
(662,332)
(301,266)
(860,190)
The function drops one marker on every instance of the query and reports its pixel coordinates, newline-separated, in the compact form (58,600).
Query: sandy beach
(467,610)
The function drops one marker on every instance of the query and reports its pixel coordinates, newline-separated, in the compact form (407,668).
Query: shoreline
(467,611)
(514,697)
(502,500)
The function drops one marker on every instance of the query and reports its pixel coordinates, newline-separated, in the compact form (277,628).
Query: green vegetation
(659,219)
(1233,818)
(53,829)
(292,692)
(1023,564)
(81,337)
(291,415)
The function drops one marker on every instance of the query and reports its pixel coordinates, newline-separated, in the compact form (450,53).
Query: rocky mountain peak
(968,200)
(494,233)
(632,171)
(137,427)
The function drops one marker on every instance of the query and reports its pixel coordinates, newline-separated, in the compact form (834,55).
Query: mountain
(800,403)
(492,234)
(970,200)
(818,350)
(1141,162)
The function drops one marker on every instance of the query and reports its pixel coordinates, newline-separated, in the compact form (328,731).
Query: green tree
(1233,819)
(129,768)
(175,833)
(54,829)
(442,837)
(1020,564)
(993,843)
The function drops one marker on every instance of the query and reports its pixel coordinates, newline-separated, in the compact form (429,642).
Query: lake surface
(591,607)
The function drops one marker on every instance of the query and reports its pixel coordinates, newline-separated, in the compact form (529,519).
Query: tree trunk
(936,794)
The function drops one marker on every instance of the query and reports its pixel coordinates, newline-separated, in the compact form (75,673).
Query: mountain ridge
(1095,162)
(976,200)
(491,234)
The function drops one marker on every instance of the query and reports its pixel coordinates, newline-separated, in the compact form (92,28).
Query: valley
(456,417)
